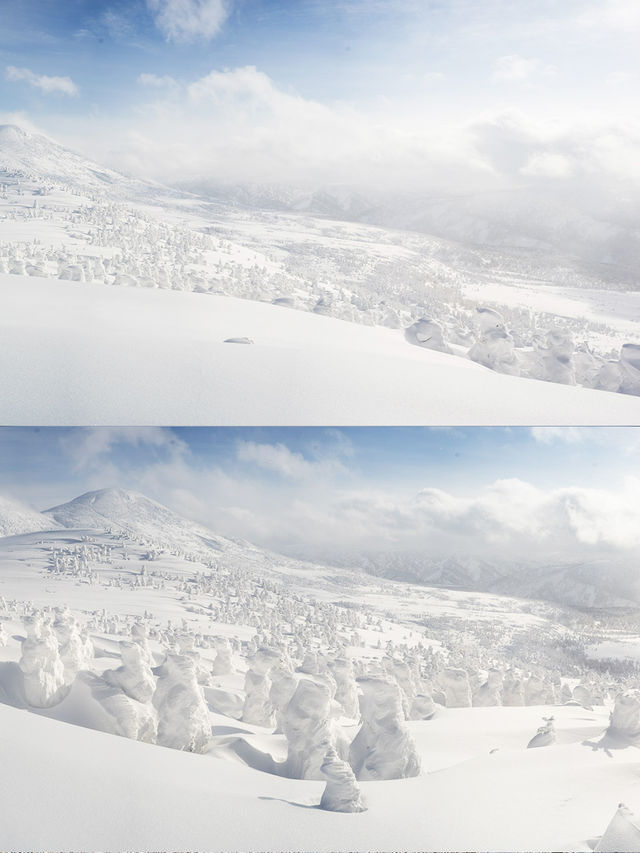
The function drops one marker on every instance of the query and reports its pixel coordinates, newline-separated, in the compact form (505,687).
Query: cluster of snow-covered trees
(418,286)
(550,353)
(341,707)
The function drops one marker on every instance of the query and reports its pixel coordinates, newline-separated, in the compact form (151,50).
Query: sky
(496,493)
(382,94)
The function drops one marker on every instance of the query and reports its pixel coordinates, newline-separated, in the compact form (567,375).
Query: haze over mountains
(593,230)
(596,583)
(596,232)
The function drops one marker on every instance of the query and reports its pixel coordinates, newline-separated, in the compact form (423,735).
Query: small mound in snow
(237,341)
(622,834)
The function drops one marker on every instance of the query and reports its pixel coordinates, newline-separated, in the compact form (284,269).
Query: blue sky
(312,89)
(300,489)
(64,461)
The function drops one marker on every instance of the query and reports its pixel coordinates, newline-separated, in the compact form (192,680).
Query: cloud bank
(314,501)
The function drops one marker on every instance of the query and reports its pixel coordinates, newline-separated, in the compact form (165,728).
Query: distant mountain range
(602,234)
(597,583)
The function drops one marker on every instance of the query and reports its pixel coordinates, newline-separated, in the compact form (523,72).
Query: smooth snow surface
(166,799)
(75,353)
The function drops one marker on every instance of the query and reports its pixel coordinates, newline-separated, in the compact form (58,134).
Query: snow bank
(422,707)
(427,333)
(81,354)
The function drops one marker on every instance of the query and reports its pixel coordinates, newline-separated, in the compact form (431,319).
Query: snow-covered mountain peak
(12,133)
(134,513)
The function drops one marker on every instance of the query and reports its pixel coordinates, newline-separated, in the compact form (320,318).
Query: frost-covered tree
(342,792)
(457,690)
(183,716)
(490,692)
(346,688)
(422,707)
(258,709)
(309,729)
(222,662)
(44,675)
(512,689)
(134,677)
(625,717)
(75,652)
(383,747)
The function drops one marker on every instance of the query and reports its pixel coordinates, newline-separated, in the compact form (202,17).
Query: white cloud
(279,459)
(48,85)
(87,447)
(275,457)
(507,518)
(549,435)
(157,82)
(620,78)
(621,15)
(237,125)
(546,164)
(189,20)
(515,67)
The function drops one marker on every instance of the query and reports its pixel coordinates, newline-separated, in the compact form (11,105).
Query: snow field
(78,354)
(157,605)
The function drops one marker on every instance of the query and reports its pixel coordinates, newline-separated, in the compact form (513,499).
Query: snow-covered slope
(96,354)
(17,518)
(494,795)
(68,222)
(35,156)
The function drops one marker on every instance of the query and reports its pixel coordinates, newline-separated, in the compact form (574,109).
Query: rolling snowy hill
(16,518)
(117,622)
(85,253)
